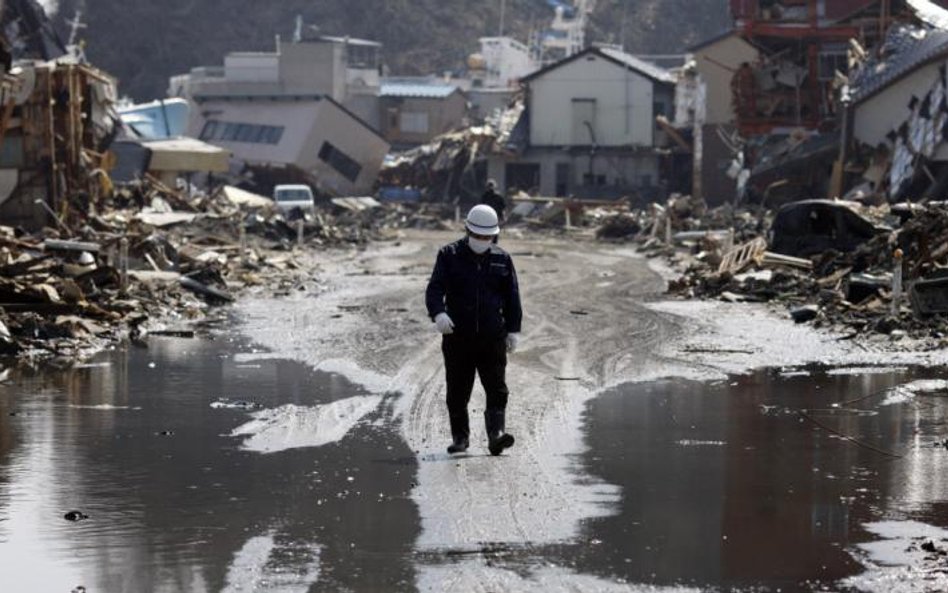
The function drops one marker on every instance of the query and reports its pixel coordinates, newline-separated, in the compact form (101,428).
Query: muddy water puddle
(194,464)
(765,481)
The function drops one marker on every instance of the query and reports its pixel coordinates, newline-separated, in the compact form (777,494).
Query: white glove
(444,323)
(512,341)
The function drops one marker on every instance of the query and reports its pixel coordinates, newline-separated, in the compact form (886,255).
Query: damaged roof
(906,49)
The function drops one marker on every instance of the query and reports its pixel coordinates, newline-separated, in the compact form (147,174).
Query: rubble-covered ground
(836,280)
(152,260)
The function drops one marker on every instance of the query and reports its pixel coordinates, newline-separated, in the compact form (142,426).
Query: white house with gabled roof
(590,128)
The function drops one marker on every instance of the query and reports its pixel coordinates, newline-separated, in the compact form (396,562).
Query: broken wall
(908,116)
(53,134)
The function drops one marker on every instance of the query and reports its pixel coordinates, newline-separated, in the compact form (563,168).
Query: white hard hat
(482,220)
(85,258)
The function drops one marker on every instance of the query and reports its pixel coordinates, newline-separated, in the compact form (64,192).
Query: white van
(288,197)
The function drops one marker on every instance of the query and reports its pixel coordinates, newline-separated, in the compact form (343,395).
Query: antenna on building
(73,47)
(298,32)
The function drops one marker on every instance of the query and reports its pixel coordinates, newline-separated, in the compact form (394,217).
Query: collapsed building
(820,130)
(767,92)
(306,112)
(57,120)
(415,112)
(896,137)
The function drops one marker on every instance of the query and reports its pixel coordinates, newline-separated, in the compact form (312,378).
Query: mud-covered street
(661,446)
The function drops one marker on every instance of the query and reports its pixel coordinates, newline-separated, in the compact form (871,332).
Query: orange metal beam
(755,28)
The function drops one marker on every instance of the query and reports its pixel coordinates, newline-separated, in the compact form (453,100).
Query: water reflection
(729,485)
(742,484)
(174,504)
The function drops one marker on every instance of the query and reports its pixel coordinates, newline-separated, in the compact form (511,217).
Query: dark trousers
(463,356)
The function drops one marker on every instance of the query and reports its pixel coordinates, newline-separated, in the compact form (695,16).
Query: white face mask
(478,245)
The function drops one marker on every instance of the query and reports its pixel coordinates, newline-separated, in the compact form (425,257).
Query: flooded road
(766,480)
(140,441)
(762,482)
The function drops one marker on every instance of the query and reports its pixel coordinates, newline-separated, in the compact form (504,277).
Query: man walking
(493,199)
(474,300)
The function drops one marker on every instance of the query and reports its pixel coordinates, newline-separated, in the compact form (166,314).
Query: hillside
(143,42)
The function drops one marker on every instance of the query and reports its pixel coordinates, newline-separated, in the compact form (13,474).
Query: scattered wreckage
(150,258)
(840,265)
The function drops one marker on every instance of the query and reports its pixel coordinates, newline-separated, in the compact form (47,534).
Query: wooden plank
(58,245)
(742,256)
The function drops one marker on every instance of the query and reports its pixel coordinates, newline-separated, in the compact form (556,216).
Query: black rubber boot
(497,439)
(460,430)
(458,446)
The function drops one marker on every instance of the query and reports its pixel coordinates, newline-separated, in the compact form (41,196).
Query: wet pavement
(763,482)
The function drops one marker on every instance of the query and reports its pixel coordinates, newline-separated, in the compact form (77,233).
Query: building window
(209,130)
(833,58)
(274,134)
(230,132)
(592,180)
(362,56)
(414,123)
(340,161)
(261,134)
(245,132)
(236,132)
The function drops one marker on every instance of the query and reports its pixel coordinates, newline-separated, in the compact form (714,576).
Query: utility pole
(503,9)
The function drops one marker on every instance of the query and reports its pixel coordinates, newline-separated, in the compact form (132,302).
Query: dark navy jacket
(478,292)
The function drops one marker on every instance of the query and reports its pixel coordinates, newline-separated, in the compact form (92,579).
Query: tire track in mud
(533,485)
(585,322)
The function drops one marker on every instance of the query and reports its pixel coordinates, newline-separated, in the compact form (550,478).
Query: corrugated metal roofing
(647,68)
(427,91)
(906,48)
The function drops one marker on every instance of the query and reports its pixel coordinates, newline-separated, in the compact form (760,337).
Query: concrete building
(343,68)
(310,109)
(415,111)
(590,128)
(334,150)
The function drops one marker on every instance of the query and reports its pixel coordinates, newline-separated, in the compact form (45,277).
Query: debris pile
(839,265)
(150,256)
(445,168)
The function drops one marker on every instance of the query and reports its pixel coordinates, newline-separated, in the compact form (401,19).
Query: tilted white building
(312,105)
